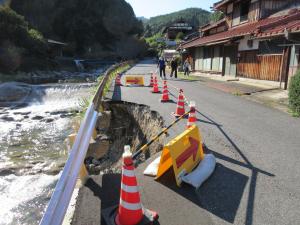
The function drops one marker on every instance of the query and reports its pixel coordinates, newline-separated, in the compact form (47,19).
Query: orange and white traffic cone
(118,80)
(151,81)
(130,210)
(155,86)
(165,95)
(192,115)
(180,105)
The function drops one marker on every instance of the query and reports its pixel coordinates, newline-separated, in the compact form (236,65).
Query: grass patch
(237,93)
(85,102)
(113,75)
(193,78)
(293,113)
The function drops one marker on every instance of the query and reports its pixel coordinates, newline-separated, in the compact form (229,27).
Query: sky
(150,8)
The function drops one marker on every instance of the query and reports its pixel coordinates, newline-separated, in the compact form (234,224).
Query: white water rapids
(33,149)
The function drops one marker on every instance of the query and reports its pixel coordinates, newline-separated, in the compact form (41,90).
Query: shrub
(16,30)
(10,58)
(180,36)
(294,94)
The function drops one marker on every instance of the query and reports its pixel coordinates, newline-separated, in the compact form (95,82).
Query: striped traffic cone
(151,81)
(192,115)
(155,86)
(130,210)
(130,207)
(165,95)
(118,80)
(180,105)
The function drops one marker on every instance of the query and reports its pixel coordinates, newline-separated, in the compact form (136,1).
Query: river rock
(58,112)
(37,118)
(13,92)
(49,120)
(6,172)
(22,113)
(66,115)
(7,118)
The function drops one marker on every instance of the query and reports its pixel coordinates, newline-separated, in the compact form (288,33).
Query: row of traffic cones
(130,210)
(155,89)
(180,109)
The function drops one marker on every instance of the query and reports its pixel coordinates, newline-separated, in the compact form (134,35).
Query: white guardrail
(60,199)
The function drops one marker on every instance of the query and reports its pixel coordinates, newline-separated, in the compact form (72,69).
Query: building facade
(257,39)
(180,26)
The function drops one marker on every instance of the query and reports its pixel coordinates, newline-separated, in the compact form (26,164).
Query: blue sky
(149,8)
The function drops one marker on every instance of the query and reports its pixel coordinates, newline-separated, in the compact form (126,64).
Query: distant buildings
(174,29)
(258,39)
(56,47)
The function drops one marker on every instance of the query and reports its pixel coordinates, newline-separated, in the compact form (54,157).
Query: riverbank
(35,120)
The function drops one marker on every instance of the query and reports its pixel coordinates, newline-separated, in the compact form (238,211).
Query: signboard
(134,80)
(183,153)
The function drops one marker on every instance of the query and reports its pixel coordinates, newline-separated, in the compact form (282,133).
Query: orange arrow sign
(133,81)
(190,151)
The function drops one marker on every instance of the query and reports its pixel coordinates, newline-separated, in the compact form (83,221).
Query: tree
(180,36)
(216,16)
(194,16)
(17,39)
(294,94)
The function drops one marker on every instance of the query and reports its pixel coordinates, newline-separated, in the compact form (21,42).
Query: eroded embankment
(122,123)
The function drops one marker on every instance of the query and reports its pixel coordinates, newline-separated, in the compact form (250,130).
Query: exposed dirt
(122,124)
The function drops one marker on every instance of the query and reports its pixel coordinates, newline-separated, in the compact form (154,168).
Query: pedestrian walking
(162,67)
(174,66)
(186,67)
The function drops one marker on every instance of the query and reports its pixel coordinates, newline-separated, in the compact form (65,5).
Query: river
(33,148)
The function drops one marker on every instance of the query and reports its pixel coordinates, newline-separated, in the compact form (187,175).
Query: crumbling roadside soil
(121,124)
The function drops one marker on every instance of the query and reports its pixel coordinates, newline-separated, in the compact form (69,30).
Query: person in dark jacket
(162,67)
(186,67)
(174,66)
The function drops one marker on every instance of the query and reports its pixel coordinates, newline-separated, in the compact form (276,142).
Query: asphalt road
(257,178)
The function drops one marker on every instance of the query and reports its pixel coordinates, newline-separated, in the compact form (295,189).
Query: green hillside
(91,29)
(195,16)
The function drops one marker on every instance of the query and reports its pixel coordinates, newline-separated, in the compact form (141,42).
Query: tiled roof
(293,26)
(213,25)
(270,26)
(290,23)
(221,3)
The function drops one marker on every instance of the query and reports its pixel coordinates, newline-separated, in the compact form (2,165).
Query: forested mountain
(195,16)
(91,29)
(18,41)
(88,24)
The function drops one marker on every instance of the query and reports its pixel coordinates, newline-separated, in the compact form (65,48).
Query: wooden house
(179,27)
(257,39)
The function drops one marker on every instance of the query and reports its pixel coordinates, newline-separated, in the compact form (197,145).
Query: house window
(245,6)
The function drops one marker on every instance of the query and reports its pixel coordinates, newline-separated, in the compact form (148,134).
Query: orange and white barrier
(155,86)
(151,81)
(130,210)
(192,115)
(180,105)
(165,94)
